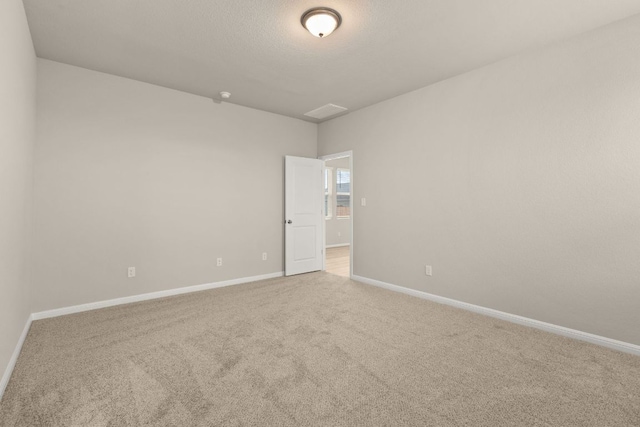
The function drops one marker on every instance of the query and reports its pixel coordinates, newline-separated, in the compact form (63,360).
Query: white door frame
(324,223)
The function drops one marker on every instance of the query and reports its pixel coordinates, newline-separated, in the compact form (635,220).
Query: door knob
(289,222)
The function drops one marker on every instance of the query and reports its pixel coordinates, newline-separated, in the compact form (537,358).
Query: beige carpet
(312,350)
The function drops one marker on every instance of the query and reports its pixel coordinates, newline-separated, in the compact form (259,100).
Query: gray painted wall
(131,174)
(17,137)
(337,230)
(520,184)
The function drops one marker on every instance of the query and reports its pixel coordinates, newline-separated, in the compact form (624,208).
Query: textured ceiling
(258,51)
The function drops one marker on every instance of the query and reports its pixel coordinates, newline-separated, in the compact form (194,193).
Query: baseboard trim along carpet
(153,295)
(14,357)
(513,318)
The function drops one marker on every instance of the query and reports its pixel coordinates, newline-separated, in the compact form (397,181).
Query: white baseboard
(14,357)
(153,295)
(339,245)
(513,318)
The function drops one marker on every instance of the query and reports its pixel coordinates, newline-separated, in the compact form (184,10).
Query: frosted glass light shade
(321,21)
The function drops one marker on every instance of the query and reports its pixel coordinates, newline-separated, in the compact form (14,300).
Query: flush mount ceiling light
(321,21)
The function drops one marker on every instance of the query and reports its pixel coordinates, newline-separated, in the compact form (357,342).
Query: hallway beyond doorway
(338,261)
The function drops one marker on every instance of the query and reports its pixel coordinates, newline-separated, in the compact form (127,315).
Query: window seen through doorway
(343,193)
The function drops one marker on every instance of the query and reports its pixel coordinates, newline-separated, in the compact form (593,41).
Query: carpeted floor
(311,350)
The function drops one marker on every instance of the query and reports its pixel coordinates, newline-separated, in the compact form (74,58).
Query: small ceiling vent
(325,111)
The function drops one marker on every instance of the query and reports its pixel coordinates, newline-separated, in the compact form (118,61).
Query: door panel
(304,243)
(303,215)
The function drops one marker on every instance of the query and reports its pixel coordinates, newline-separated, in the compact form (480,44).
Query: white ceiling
(258,51)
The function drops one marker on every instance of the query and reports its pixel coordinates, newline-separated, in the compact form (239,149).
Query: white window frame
(328,176)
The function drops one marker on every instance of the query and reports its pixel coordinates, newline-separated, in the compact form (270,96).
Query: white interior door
(303,215)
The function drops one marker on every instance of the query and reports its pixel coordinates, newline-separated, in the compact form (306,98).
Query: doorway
(338,213)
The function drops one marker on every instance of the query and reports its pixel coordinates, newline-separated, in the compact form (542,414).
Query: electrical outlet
(339,234)
(363,202)
(131,272)
(264,256)
(219,262)
(428,271)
